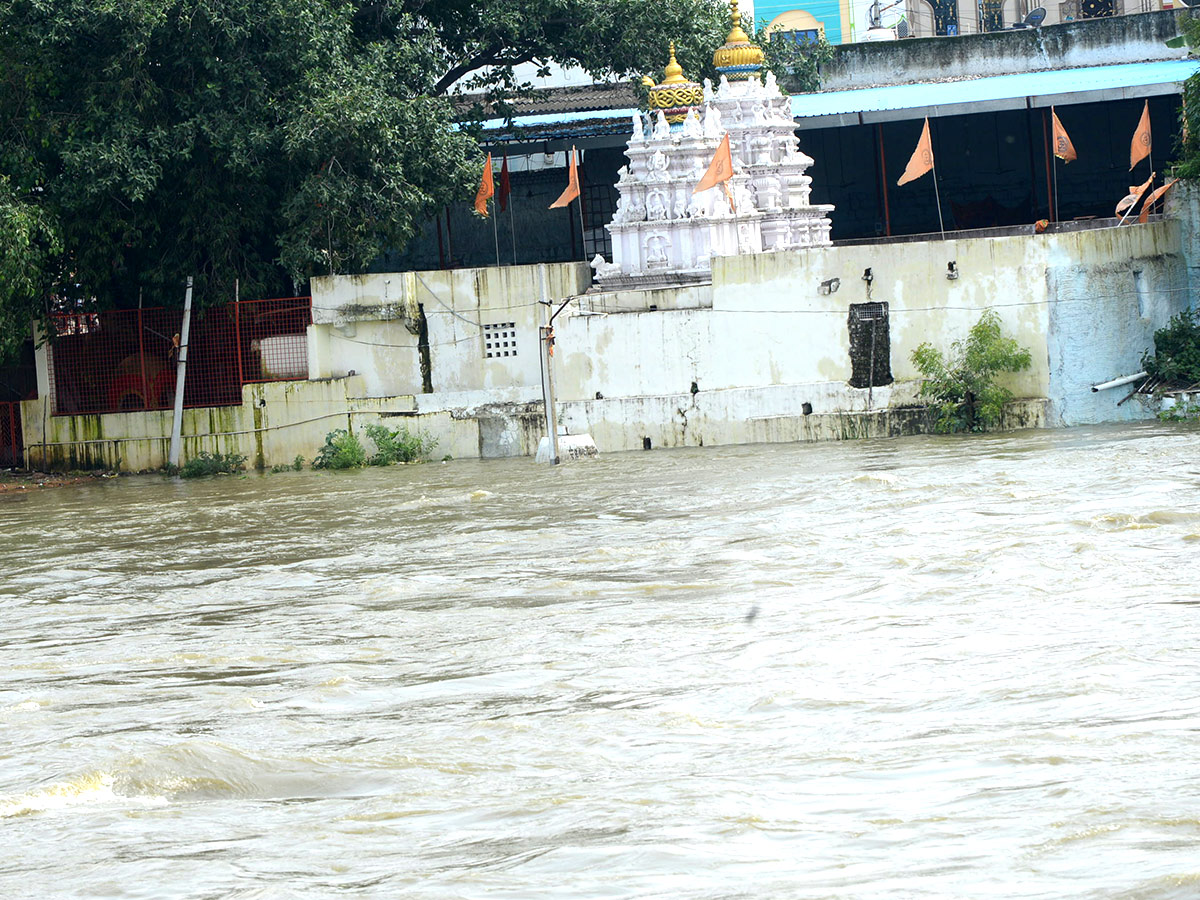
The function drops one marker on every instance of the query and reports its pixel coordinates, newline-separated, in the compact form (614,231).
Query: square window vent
(499,339)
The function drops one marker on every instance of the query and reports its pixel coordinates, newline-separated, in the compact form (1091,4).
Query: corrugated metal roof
(1000,91)
(905,101)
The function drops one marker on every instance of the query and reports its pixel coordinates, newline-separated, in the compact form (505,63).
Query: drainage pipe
(1117,382)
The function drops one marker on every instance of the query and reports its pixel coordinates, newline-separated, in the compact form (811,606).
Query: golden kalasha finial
(736,34)
(738,59)
(673,71)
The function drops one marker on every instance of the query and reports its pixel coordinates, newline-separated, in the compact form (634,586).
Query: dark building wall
(991,170)
(991,167)
(528,232)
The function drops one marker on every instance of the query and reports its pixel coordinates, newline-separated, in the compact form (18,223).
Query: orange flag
(720,170)
(1129,201)
(1139,147)
(1154,197)
(572,190)
(486,188)
(1063,148)
(922,158)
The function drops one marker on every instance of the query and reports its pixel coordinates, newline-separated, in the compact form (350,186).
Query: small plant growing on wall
(398,446)
(1176,358)
(342,450)
(961,386)
(205,463)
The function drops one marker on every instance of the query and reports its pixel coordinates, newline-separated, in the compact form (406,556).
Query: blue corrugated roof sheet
(996,87)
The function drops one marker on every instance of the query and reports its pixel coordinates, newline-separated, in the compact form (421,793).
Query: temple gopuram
(662,232)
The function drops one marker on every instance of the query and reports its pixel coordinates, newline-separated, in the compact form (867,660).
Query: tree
(229,139)
(796,64)
(27,240)
(263,141)
(962,387)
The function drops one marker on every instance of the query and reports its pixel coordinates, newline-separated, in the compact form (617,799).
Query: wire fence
(126,360)
(12,444)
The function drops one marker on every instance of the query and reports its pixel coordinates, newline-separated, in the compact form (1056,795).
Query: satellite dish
(1035,17)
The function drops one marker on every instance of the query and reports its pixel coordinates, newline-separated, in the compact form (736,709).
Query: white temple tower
(662,233)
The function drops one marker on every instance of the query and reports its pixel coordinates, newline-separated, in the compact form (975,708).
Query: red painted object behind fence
(125,360)
(12,444)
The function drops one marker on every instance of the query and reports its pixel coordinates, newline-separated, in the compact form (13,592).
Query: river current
(959,667)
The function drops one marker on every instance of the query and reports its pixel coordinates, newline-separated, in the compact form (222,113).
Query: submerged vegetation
(344,450)
(205,463)
(962,387)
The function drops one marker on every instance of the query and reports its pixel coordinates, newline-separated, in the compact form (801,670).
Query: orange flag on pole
(1129,201)
(1139,147)
(1154,197)
(921,160)
(572,190)
(1063,148)
(720,169)
(486,188)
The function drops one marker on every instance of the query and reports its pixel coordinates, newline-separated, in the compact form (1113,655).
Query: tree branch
(484,58)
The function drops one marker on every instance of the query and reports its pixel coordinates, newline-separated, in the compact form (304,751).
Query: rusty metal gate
(12,444)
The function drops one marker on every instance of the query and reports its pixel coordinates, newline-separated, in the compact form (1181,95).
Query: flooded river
(931,667)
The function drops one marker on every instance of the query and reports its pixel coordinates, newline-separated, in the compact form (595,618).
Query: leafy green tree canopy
(264,141)
(961,386)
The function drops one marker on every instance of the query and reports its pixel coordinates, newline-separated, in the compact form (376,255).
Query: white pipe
(1117,382)
(180,376)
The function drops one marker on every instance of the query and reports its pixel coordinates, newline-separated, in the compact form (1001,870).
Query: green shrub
(398,446)
(342,450)
(205,463)
(295,466)
(1176,356)
(961,387)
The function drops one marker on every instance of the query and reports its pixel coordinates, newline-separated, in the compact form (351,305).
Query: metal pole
(887,213)
(180,374)
(142,359)
(871,382)
(237,331)
(512,229)
(547,334)
(495,233)
(938,197)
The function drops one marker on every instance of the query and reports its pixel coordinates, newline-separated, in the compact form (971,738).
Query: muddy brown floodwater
(928,667)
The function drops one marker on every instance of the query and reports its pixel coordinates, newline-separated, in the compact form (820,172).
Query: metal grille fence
(125,360)
(12,444)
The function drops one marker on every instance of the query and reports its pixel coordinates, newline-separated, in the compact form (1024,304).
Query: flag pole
(579,200)
(1054,164)
(512,229)
(495,234)
(937,195)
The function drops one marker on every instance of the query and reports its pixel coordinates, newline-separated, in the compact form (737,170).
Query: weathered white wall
(368,324)
(1070,298)
(765,348)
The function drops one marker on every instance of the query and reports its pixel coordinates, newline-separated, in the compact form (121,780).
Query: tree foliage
(27,241)
(263,141)
(1188,165)
(1176,356)
(796,64)
(961,386)
(260,140)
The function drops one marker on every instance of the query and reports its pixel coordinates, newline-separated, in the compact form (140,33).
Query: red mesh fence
(12,444)
(125,360)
